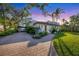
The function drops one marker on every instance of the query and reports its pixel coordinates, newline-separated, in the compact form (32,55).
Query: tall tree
(56,14)
(40,6)
(44,12)
(74,22)
(4,8)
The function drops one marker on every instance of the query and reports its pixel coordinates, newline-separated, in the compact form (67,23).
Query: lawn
(67,43)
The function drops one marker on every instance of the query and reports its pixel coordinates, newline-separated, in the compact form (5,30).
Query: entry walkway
(22,44)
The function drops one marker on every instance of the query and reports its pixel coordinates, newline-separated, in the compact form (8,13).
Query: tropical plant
(8,32)
(40,6)
(74,22)
(40,35)
(57,13)
(31,30)
(4,11)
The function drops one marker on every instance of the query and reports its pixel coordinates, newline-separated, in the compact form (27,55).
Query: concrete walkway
(22,44)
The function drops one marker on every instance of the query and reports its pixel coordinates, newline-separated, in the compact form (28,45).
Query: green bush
(30,30)
(7,32)
(2,34)
(53,30)
(42,34)
(39,35)
(69,28)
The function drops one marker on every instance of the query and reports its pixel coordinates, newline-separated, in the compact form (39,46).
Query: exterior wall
(42,27)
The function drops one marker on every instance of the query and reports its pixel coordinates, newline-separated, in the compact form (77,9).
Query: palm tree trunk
(4,22)
(4,25)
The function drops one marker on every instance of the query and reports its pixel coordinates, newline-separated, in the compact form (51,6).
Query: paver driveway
(21,44)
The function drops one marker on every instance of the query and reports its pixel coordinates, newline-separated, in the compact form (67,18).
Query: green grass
(67,43)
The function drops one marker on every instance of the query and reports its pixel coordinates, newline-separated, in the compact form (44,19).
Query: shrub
(42,34)
(39,35)
(2,33)
(53,30)
(30,30)
(7,32)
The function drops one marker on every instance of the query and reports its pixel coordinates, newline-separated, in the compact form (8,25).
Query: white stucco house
(45,26)
(39,24)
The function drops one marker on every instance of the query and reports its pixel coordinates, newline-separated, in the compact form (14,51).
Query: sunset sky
(69,9)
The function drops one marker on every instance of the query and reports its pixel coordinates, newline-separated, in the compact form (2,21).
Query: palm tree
(9,10)
(63,20)
(19,14)
(41,7)
(74,22)
(44,12)
(3,10)
(25,13)
(57,13)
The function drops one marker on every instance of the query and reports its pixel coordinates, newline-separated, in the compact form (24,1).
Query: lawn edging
(52,50)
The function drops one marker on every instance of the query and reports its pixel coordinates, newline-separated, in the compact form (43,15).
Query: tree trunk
(10,24)
(4,20)
(4,25)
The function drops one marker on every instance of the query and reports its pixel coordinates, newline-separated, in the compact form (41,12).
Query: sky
(69,10)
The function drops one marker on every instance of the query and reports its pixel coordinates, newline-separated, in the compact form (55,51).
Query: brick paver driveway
(21,44)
